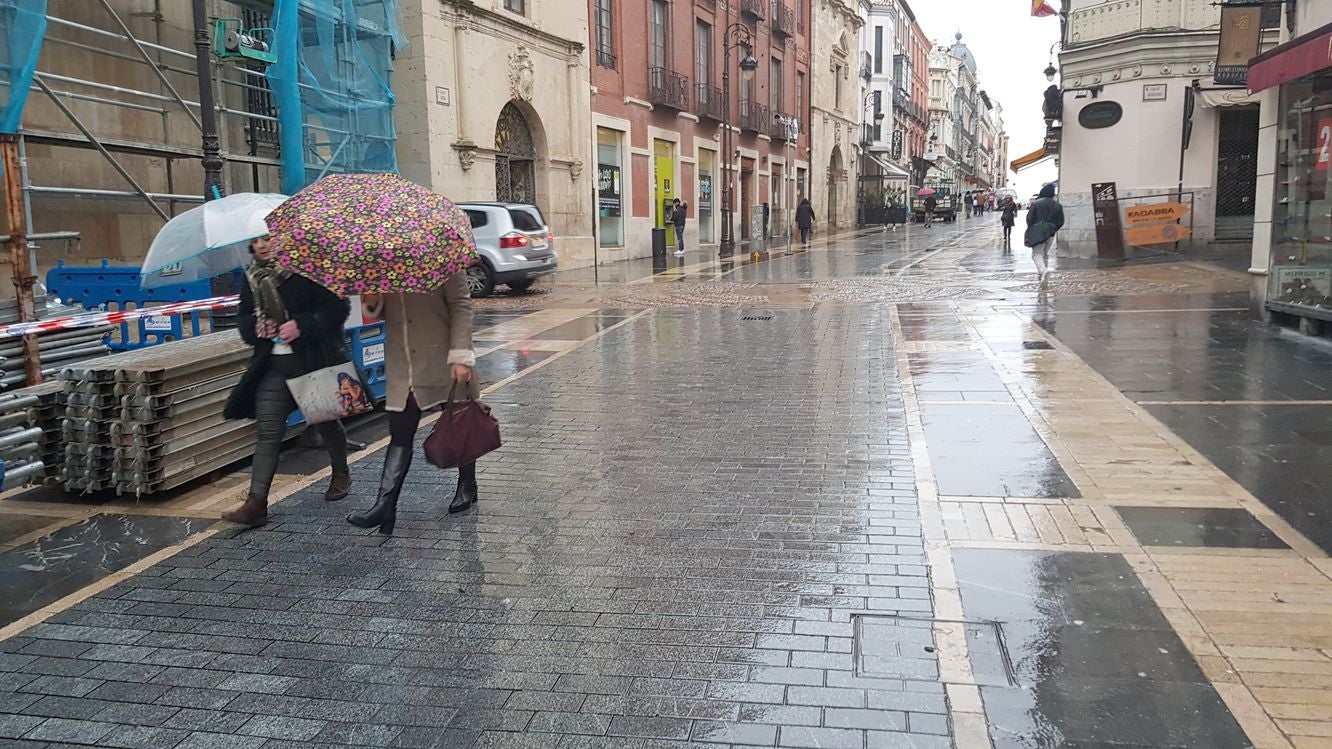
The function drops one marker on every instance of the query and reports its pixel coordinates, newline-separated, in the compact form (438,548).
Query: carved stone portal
(522,74)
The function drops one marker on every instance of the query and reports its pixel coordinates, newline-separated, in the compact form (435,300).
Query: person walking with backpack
(1044,220)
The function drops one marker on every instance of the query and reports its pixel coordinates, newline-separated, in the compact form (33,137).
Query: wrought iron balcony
(783,20)
(778,129)
(606,59)
(756,9)
(755,117)
(708,103)
(668,88)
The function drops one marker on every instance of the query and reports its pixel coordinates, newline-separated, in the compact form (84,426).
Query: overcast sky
(1011,50)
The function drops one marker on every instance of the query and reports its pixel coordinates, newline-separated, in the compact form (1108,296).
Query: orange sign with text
(1158,234)
(1153,212)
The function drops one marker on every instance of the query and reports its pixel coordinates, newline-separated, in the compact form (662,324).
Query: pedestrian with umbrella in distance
(406,253)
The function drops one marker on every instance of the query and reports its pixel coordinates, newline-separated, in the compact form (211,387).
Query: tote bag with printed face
(331,393)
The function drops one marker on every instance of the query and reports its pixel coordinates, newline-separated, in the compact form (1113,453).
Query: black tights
(402,433)
(272,405)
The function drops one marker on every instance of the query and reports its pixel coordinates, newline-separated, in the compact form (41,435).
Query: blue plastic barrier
(115,288)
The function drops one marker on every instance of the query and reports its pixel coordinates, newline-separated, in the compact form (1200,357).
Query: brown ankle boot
(253,512)
(338,487)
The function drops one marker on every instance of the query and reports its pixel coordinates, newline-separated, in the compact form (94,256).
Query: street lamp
(737,35)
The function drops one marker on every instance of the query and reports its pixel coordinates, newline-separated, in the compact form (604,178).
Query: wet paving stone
(638,572)
(1094,659)
(1210,527)
(52,567)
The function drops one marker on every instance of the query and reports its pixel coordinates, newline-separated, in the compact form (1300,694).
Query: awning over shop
(890,170)
(1035,157)
(1226,97)
(1295,59)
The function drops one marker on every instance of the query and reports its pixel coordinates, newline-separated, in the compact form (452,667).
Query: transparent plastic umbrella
(209,240)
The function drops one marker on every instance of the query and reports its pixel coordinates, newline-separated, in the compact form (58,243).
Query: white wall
(1140,154)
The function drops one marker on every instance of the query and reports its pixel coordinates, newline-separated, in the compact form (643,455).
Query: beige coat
(426,333)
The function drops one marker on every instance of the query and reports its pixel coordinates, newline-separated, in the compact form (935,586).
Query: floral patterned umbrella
(360,233)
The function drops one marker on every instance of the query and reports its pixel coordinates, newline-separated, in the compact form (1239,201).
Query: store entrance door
(1236,173)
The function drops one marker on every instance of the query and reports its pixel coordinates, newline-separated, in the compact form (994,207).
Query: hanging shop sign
(897,144)
(1241,29)
(608,190)
(1100,114)
(1105,207)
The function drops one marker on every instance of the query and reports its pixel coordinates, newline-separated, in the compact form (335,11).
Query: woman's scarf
(264,279)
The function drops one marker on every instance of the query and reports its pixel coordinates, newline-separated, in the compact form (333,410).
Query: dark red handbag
(466,430)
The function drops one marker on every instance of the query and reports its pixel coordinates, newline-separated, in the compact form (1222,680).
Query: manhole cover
(896,647)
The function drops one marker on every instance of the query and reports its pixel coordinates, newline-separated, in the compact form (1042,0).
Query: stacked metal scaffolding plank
(27,423)
(59,348)
(151,419)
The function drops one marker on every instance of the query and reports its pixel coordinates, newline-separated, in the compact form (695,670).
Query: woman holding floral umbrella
(405,250)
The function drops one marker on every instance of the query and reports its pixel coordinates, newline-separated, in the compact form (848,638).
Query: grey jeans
(273,405)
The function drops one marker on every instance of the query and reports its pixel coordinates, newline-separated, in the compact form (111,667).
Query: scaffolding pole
(18,253)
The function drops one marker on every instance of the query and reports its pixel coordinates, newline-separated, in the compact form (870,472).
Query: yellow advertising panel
(1157,234)
(1153,212)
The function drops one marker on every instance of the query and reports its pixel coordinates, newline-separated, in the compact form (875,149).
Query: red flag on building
(1041,8)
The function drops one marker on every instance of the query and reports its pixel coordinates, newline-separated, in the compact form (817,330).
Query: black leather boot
(466,495)
(385,512)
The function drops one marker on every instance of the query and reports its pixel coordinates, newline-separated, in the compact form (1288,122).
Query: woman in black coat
(296,327)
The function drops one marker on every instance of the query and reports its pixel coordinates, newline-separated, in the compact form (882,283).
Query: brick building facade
(658,113)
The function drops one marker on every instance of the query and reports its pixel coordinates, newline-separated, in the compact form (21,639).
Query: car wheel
(523,285)
(481,279)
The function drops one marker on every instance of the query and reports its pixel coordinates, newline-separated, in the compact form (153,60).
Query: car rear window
(478,218)
(527,219)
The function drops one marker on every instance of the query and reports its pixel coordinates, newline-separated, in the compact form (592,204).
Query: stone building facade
(837,111)
(493,104)
(659,113)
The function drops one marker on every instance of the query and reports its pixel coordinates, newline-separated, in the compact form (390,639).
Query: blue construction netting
(332,86)
(22,26)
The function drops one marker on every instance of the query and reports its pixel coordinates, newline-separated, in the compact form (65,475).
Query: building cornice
(519,32)
(1143,56)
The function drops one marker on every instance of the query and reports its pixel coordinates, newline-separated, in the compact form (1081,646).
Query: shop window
(1302,219)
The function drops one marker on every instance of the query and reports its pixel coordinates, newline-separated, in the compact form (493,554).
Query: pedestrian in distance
(428,360)
(1044,220)
(679,214)
(1008,217)
(805,220)
(930,204)
(295,327)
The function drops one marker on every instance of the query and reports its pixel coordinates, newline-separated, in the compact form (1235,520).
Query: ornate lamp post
(737,35)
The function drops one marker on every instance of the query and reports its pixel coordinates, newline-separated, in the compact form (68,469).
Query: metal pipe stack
(59,348)
(27,420)
(151,419)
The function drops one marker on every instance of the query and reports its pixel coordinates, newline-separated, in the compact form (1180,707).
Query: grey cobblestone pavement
(658,560)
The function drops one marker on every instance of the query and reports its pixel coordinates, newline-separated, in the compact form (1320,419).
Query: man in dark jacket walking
(805,219)
(679,213)
(1044,220)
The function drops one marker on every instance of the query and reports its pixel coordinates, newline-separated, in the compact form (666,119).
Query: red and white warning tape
(94,319)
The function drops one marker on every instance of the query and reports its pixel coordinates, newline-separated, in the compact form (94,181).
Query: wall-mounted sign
(1100,114)
(705,193)
(1156,234)
(1151,212)
(1154,91)
(608,190)
(897,144)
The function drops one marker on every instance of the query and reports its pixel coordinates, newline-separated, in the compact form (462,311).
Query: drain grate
(1042,345)
(898,647)
(752,318)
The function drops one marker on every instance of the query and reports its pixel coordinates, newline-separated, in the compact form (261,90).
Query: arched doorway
(515,157)
(834,180)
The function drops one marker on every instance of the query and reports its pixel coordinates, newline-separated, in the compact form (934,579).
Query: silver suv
(515,245)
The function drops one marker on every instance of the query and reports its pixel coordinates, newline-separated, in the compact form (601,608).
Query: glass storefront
(610,188)
(1301,274)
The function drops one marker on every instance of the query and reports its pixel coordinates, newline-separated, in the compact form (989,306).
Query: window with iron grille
(516,6)
(605,25)
(702,53)
(657,35)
